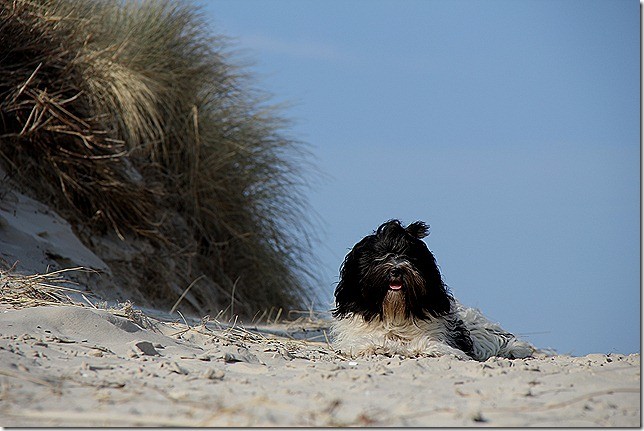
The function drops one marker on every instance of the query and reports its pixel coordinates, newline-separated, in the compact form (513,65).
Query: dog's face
(392,275)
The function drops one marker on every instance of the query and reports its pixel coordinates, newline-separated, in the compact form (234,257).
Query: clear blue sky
(511,127)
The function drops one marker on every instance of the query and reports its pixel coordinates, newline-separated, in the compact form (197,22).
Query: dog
(391,300)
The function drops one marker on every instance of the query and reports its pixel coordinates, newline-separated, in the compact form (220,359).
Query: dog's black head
(391,274)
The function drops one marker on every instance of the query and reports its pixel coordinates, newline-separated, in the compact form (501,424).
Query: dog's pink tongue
(395,285)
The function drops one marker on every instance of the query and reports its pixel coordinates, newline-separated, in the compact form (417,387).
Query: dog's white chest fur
(354,336)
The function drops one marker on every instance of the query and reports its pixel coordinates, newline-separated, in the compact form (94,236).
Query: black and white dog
(391,299)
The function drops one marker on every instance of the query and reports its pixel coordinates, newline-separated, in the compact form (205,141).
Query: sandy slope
(34,239)
(75,366)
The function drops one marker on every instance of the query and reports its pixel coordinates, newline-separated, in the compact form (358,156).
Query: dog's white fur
(354,336)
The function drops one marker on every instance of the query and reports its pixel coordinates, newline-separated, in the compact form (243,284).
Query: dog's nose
(395,272)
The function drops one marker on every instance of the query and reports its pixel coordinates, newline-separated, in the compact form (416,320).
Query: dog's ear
(435,299)
(350,293)
(347,292)
(418,229)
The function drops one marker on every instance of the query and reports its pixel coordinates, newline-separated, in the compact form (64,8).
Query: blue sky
(511,127)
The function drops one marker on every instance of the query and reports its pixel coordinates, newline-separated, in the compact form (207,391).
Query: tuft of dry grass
(52,289)
(131,119)
(22,291)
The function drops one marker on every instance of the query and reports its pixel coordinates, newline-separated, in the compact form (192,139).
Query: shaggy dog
(391,299)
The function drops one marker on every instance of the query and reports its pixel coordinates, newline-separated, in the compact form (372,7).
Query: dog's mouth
(395,280)
(395,285)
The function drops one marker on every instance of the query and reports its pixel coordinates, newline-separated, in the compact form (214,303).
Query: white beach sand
(75,366)
(63,365)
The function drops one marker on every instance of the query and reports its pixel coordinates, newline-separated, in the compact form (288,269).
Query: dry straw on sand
(290,337)
(136,124)
(35,290)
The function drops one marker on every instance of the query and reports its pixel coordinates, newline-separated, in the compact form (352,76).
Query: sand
(78,366)
(84,365)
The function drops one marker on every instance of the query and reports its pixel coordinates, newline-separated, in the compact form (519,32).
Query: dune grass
(132,119)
